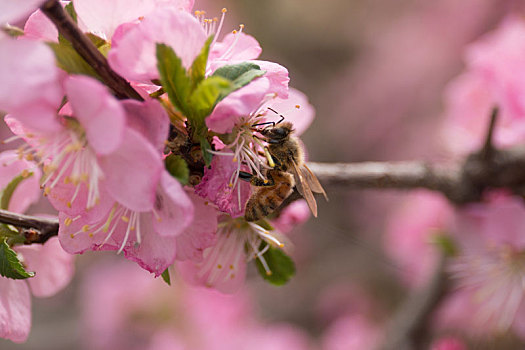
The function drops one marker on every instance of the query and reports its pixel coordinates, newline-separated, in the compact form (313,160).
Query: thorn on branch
(488,147)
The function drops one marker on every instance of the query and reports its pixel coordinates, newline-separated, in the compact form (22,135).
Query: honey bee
(286,156)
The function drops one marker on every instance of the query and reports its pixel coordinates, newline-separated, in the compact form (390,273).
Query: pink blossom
(15,310)
(95,151)
(293,215)
(351,333)
(30,83)
(28,191)
(11,11)
(133,52)
(409,234)
(102,17)
(223,266)
(52,266)
(178,317)
(222,186)
(448,343)
(493,78)
(489,269)
(200,234)
(147,237)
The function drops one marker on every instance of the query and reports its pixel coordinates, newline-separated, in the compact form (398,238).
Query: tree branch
(36,230)
(85,48)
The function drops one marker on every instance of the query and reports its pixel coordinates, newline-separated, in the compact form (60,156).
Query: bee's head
(278,133)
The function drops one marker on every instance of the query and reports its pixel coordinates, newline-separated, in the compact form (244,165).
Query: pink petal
(134,52)
(133,172)
(100,114)
(215,186)
(53,267)
(235,47)
(13,11)
(173,207)
(240,103)
(150,119)
(103,17)
(223,266)
(155,253)
(278,76)
(200,234)
(301,117)
(30,85)
(38,26)
(15,310)
(28,191)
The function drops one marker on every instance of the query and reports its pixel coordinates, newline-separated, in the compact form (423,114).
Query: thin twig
(37,230)
(408,329)
(85,48)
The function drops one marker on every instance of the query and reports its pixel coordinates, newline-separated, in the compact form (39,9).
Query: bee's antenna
(280,115)
(270,123)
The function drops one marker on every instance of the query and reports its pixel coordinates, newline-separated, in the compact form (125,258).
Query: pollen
(85,228)
(124,218)
(266,181)
(232,276)
(231,267)
(234,160)
(230,185)
(268,273)
(29,156)
(281,245)
(90,235)
(25,173)
(224,10)
(67,180)
(234,31)
(47,190)
(219,266)
(72,235)
(69,205)
(206,203)
(297,106)
(68,221)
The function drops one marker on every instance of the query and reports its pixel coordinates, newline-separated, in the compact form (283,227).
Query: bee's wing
(304,188)
(315,185)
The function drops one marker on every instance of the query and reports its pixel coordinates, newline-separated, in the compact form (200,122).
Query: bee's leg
(256,181)
(243,175)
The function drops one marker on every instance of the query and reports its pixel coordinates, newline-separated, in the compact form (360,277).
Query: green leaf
(204,99)
(173,77)
(198,67)
(12,31)
(10,266)
(281,266)
(205,147)
(178,168)
(166,277)
(239,74)
(445,243)
(102,45)
(70,61)
(70,9)
(7,191)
